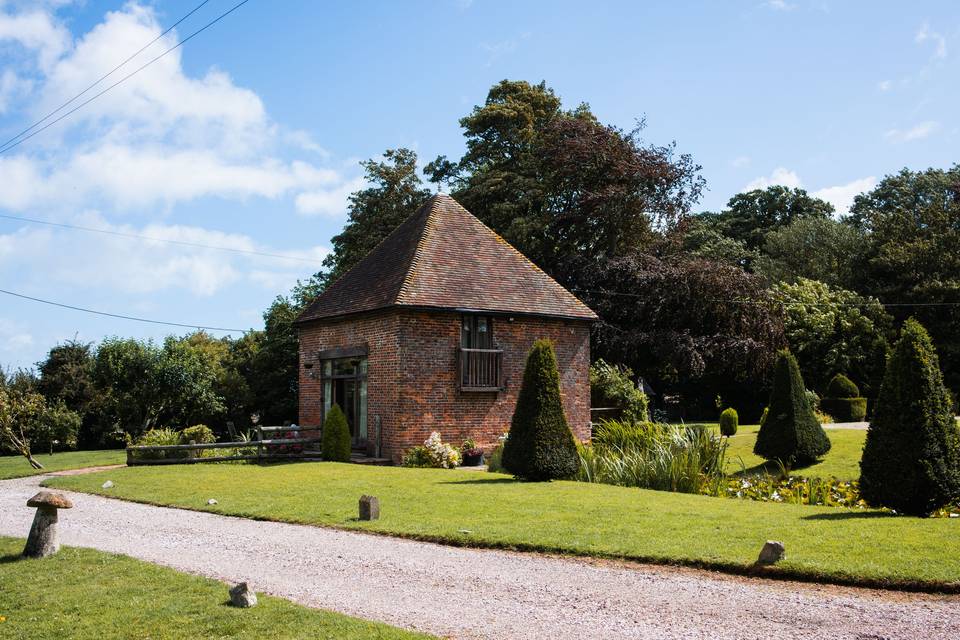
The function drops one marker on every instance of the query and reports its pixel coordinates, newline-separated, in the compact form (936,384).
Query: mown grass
(18,467)
(494,510)
(85,594)
(842,462)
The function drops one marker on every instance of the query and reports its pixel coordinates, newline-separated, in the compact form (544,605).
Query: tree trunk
(33,461)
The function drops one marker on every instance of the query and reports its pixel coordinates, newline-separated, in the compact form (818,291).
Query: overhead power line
(121,316)
(602,292)
(103,77)
(124,78)
(137,236)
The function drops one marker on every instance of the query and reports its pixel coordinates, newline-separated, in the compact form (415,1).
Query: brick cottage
(430,332)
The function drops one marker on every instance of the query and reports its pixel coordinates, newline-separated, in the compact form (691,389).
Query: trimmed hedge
(911,459)
(335,442)
(729,421)
(791,433)
(842,387)
(845,409)
(540,445)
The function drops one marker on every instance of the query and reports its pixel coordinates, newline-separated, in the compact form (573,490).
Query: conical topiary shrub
(843,400)
(729,421)
(910,460)
(791,433)
(335,443)
(540,445)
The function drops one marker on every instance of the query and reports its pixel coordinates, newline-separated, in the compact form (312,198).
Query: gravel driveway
(465,593)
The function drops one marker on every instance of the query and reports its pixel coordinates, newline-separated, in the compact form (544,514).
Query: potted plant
(472,454)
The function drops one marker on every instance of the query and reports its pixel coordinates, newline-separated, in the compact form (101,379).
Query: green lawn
(86,594)
(486,509)
(843,460)
(18,467)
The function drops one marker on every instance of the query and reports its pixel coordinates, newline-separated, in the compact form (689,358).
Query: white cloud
(841,196)
(924,34)
(780,5)
(917,132)
(330,202)
(780,176)
(13,336)
(89,261)
(37,32)
(884,85)
(12,87)
(740,161)
(160,138)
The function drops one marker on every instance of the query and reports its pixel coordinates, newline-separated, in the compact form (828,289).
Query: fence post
(259,444)
(129,458)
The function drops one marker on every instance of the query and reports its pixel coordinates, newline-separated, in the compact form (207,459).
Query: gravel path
(465,593)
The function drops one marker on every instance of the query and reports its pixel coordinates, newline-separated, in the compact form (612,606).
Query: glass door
(345,384)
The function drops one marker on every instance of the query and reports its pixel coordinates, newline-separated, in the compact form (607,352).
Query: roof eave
(410,307)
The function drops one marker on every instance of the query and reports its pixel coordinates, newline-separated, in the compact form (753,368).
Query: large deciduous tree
(832,331)
(686,325)
(143,385)
(557,183)
(751,215)
(821,249)
(912,220)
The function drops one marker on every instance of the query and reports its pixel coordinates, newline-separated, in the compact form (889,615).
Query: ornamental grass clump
(653,456)
(843,400)
(541,445)
(335,440)
(911,459)
(791,432)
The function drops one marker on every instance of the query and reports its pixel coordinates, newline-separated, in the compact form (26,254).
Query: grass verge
(18,467)
(85,594)
(869,548)
(842,462)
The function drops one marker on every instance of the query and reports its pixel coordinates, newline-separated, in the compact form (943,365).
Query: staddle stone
(44,540)
(369,508)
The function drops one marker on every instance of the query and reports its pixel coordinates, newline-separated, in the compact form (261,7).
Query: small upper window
(476,332)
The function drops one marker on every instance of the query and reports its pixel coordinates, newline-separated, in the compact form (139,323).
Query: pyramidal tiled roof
(443,257)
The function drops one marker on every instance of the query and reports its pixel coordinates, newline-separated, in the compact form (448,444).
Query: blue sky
(248,136)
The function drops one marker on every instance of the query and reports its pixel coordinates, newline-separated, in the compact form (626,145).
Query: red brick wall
(412,375)
(379,332)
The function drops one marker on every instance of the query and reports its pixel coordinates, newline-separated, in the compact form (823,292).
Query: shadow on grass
(484,481)
(12,558)
(851,515)
(771,467)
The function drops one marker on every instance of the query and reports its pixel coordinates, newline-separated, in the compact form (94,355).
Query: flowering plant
(470,448)
(433,453)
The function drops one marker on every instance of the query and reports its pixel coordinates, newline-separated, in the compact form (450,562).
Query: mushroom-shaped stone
(43,540)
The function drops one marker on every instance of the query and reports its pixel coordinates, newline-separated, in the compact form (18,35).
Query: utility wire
(103,77)
(137,236)
(126,77)
(121,316)
(785,304)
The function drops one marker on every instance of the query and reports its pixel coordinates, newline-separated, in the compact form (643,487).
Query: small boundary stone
(771,553)
(243,596)
(369,508)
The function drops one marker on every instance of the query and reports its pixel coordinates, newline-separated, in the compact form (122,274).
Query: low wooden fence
(266,449)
